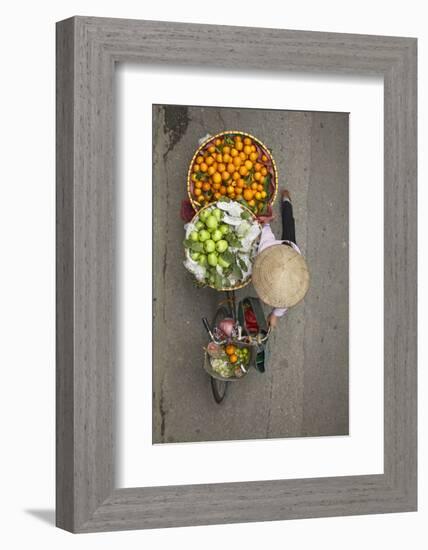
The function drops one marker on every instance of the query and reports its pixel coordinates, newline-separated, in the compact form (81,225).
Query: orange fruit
(217,178)
(243,171)
(264,158)
(248,164)
(230,167)
(243,155)
(247,141)
(253,156)
(221,167)
(196,167)
(225,176)
(216,186)
(263,194)
(257,176)
(230,349)
(203,167)
(258,166)
(209,160)
(247,149)
(223,189)
(211,149)
(240,183)
(217,196)
(206,186)
(252,203)
(230,189)
(254,186)
(218,141)
(198,184)
(226,149)
(233,152)
(237,161)
(263,171)
(211,170)
(233,358)
(199,160)
(239,145)
(248,194)
(260,187)
(257,195)
(227,158)
(253,148)
(238,190)
(235,176)
(197,192)
(219,157)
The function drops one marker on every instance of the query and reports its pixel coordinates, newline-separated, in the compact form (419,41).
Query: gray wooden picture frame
(87,51)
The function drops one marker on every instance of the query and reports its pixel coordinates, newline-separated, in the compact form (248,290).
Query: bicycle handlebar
(221,342)
(208,328)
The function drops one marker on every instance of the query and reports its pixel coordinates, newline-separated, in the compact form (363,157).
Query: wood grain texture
(64,278)
(87,49)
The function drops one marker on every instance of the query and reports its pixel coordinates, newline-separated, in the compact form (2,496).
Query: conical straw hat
(280,276)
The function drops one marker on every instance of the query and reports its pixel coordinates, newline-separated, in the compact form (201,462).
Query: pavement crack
(176,121)
(164,268)
(165,255)
(222,121)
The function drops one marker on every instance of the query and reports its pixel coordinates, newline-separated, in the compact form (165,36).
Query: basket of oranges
(235,165)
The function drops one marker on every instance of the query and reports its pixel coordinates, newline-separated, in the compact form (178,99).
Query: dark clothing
(288,228)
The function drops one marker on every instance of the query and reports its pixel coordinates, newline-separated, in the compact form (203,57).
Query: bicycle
(241,337)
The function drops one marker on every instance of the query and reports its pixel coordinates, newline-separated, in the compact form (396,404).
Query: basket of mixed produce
(230,361)
(236,165)
(220,245)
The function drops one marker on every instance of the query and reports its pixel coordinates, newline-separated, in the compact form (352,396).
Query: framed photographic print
(236,274)
(252,408)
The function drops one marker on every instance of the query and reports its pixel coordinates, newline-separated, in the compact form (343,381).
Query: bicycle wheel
(219,387)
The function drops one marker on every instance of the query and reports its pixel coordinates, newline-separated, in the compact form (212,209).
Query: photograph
(250,273)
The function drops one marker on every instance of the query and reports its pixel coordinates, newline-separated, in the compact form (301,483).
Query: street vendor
(280,273)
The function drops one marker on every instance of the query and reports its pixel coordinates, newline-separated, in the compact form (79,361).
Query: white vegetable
(222,367)
(250,238)
(243,228)
(248,264)
(233,208)
(188,228)
(198,271)
(232,220)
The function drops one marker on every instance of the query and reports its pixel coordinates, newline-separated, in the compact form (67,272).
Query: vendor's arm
(267,237)
(275,314)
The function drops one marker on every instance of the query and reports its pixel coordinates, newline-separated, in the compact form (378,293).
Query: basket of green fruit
(220,245)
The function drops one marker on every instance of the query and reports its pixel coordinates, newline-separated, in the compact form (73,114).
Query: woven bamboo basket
(274,172)
(187,253)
